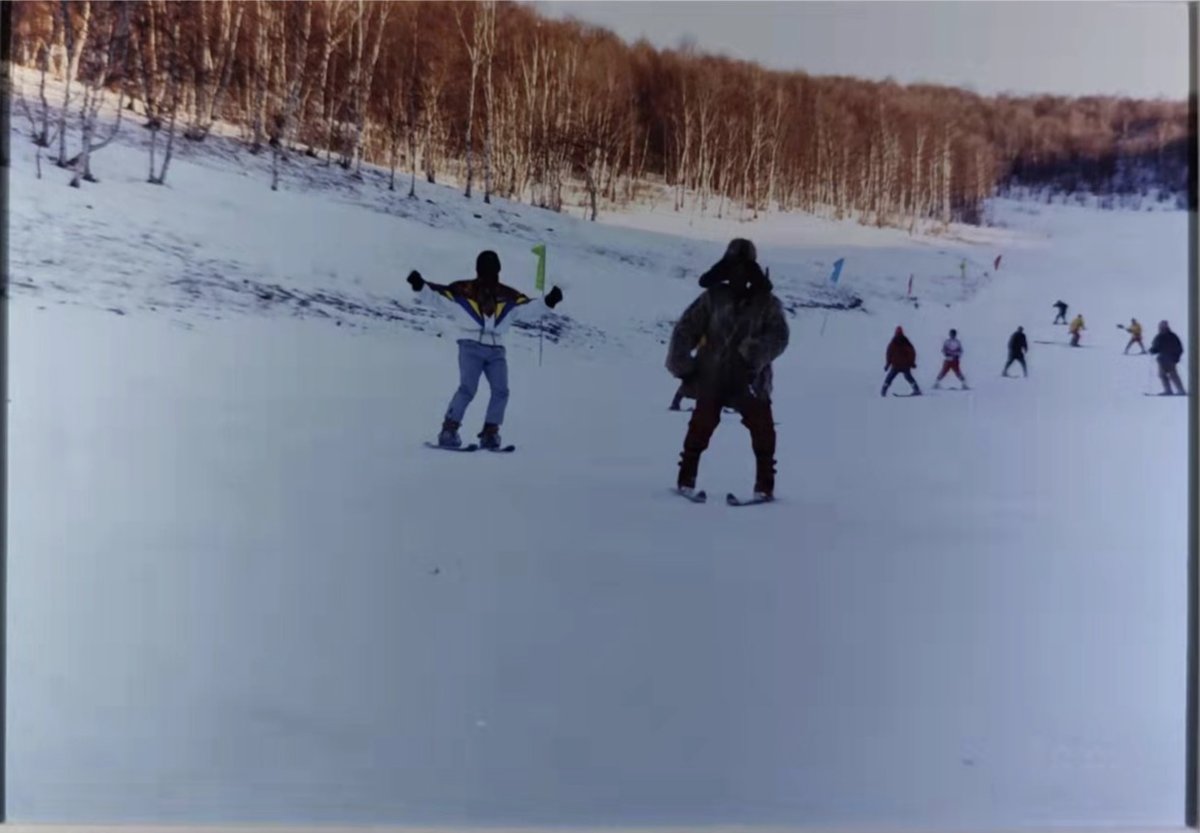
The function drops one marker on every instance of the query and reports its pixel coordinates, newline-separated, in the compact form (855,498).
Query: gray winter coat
(743,334)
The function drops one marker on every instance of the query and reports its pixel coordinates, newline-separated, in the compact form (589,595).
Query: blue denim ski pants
(475,360)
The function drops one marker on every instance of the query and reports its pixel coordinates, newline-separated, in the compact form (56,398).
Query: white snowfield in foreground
(243,591)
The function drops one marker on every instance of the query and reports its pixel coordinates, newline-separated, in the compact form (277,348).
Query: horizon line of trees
(526,108)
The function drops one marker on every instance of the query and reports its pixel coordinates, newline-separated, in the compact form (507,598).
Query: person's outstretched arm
(440,293)
(525,307)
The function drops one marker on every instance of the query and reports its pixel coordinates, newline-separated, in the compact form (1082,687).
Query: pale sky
(1075,47)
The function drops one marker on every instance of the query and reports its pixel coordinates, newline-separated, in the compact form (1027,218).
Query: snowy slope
(242,590)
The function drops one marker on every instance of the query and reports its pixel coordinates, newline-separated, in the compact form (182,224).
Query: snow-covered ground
(242,590)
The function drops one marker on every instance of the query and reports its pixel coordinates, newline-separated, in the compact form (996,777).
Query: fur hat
(741,249)
(737,269)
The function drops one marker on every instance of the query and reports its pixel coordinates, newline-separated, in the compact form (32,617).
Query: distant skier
(1076,329)
(744,330)
(686,389)
(901,361)
(1062,312)
(485,308)
(681,393)
(1135,335)
(952,351)
(1017,347)
(1168,350)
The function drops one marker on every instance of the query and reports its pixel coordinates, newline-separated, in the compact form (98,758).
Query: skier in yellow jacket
(1075,329)
(1135,335)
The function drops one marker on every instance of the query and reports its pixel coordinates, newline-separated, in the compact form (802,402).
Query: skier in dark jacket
(483,308)
(1168,350)
(744,330)
(1018,345)
(901,361)
(1062,312)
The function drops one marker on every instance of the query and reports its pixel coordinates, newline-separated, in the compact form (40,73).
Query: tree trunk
(74,42)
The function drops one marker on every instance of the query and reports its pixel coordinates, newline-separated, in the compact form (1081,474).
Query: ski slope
(242,590)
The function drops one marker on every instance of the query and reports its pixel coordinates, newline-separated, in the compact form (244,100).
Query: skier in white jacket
(952,351)
(484,308)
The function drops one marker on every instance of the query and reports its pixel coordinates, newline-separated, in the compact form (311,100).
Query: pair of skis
(472,447)
(730,499)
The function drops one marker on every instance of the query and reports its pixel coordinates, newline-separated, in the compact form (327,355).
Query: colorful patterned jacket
(484,313)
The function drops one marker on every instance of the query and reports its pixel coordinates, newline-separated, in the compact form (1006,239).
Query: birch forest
(500,102)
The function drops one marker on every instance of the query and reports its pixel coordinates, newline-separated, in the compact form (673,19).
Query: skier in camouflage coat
(744,330)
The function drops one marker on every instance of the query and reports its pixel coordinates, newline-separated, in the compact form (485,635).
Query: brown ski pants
(756,416)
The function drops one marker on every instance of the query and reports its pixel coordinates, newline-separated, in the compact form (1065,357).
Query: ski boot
(449,438)
(489,437)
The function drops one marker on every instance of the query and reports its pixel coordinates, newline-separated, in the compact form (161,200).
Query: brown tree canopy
(552,111)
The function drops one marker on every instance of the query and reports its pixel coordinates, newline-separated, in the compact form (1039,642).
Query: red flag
(910,277)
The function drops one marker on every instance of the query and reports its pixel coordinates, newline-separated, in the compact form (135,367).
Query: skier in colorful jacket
(483,309)
(744,330)
(952,351)
(1135,335)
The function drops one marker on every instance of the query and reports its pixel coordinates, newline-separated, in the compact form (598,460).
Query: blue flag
(837,270)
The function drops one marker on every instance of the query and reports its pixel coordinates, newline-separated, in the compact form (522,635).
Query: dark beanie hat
(488,263)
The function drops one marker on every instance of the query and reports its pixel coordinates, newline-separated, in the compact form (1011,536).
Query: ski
(694,497)
(436,447)
(907,395)
(1062,344)
(734,500)
(1164,395)
(502,450)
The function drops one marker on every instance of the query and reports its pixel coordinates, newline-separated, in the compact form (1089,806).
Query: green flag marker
(540,251)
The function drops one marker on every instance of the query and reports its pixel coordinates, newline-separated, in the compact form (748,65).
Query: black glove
(554,297)
(415,280)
